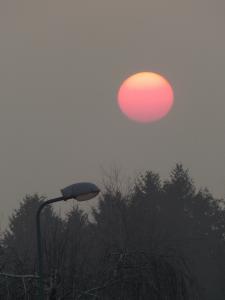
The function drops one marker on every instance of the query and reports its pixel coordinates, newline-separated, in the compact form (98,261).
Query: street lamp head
(81,191)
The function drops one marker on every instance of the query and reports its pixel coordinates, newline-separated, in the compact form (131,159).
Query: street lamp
(81,191)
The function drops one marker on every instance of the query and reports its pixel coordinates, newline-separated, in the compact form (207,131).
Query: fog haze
(61,64)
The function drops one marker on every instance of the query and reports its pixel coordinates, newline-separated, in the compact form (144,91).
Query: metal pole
(39,247)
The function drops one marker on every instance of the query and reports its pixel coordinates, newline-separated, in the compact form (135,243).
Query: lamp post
(81,192)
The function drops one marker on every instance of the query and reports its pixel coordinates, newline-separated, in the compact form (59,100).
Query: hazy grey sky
(61,64)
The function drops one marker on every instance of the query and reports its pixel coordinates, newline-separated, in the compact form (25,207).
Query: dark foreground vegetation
(160,241)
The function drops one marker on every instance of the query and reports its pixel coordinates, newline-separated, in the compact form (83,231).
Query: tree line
(162,240)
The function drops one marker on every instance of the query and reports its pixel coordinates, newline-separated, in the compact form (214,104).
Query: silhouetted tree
(160,241)
(19,242)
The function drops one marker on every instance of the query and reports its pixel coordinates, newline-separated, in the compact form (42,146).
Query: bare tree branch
(19,276)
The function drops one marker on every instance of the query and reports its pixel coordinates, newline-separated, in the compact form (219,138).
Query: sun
(145,97)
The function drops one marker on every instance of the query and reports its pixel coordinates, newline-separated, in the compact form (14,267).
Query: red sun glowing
(145,97)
